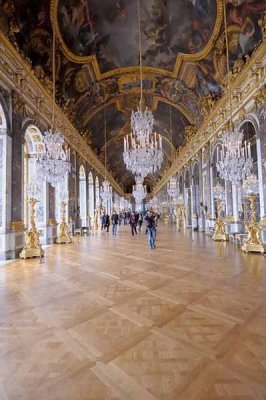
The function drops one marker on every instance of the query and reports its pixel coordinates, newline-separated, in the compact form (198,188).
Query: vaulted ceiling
(97,61)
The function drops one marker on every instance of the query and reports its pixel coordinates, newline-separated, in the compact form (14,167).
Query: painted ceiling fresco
(109,30)
(97,60)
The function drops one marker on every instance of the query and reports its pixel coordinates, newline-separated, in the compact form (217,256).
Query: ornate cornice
(248,89)
(34,100)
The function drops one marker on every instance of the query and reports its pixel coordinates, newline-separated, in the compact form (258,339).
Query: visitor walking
(114,219)
(151,228)
(107,222)
(140,221)
(133,223)
(102,219)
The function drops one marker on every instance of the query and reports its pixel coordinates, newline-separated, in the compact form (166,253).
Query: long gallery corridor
(107,318)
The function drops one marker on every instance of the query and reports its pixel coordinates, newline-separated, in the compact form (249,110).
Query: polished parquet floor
(109,319)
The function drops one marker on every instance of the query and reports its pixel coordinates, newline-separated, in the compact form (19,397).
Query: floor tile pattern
(107,318)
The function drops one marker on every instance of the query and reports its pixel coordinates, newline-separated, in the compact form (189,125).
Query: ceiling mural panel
(115,121)
(109,30)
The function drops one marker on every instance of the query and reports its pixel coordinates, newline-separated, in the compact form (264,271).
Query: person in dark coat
(140,221)
(114,219)
(102,219)
(107,222)
(133,223)
(151,228)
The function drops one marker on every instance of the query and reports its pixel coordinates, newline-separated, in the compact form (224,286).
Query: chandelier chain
(53,77)
(140,57)
(228,65)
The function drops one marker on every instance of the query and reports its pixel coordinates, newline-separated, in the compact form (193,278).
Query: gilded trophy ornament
(219,228)
(32,247)
(254,242)
(96,219)
(63,228)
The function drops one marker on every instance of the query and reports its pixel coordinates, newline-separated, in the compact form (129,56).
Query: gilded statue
(63,228)
(96,219)
(32,247)
(219,228)
(253,242)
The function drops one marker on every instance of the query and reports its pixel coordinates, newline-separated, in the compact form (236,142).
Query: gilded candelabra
(32,247)
(181,216)
(63,228)
(219,228)
(253,243)
(96,219)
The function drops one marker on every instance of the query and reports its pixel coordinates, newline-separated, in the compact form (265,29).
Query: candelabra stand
(219,228)
(63,228)
(32,247)
(178,215)
(96,219)
(253,243)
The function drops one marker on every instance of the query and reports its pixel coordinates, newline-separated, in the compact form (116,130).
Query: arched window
(91,196)
(33,139)
(196,189)
(3,144)
(181,188)
(250,138)
(97,191)
(216,179)
(82,195)
(188,197)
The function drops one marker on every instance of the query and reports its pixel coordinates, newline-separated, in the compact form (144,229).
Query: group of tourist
(135,220)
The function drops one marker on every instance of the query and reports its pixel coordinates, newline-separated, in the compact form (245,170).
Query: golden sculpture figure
(184,216)
(63,229)
(219,228)
(254,242)
(96,220)
(32,247)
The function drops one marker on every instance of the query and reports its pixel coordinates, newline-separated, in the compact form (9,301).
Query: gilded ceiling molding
(119,107)
(181,57)
(250,81)
(16,75)
(179,107)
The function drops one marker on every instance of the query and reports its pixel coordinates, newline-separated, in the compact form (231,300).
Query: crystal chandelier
(172,188)
(143,153)
(219,192)
(154,202)
(250,185)
(142,148)
(63,196)
(34,190)
(234,161)
(139,190)
(53,160)
(106,189)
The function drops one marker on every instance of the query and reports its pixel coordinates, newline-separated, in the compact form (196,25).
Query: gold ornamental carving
(97,212)
(32,247)
(262,24)
(63,237)
(17,226)
(254,242)
(181,216)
